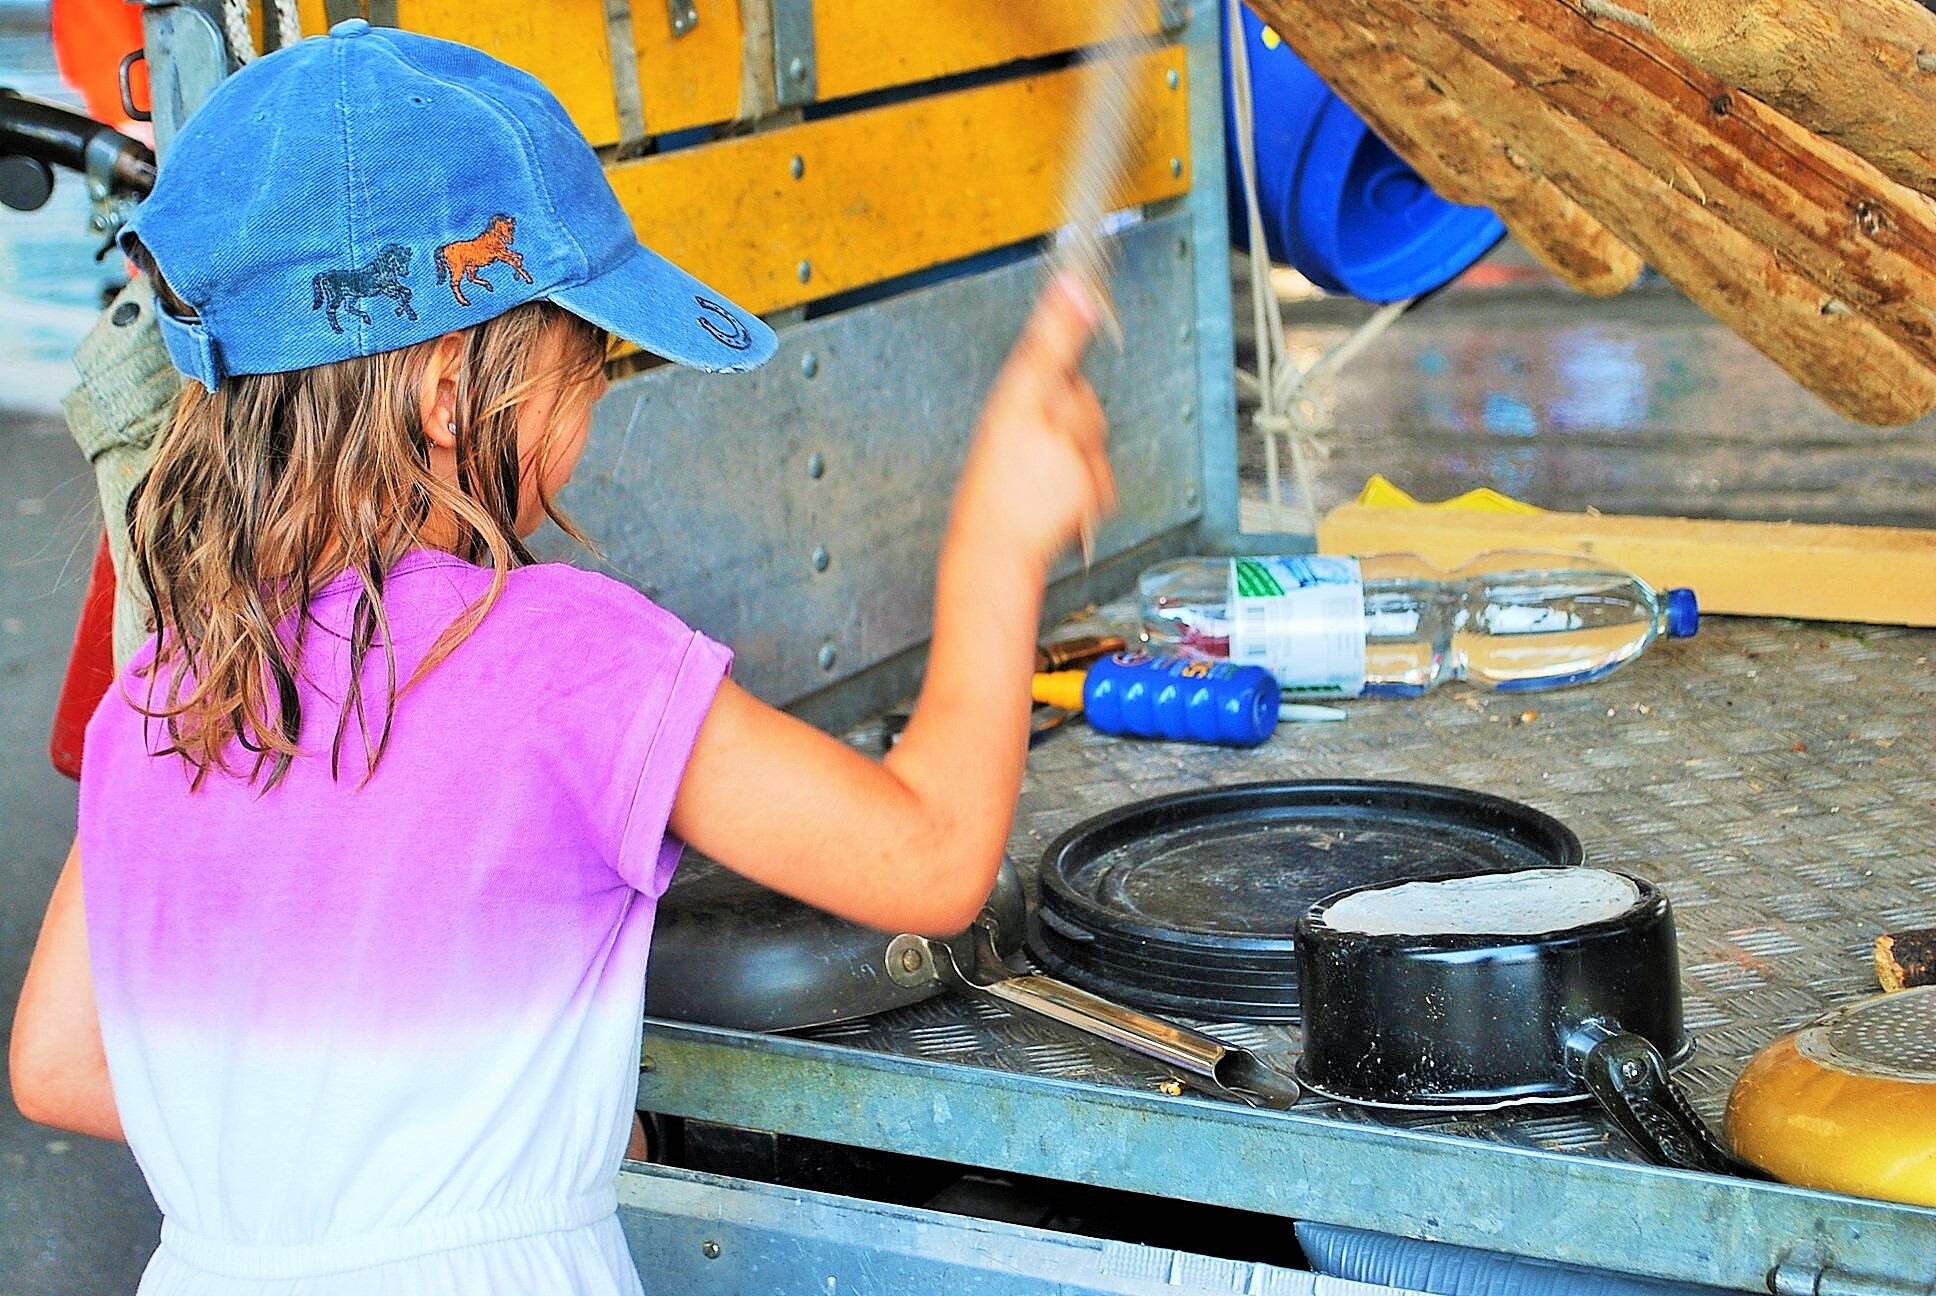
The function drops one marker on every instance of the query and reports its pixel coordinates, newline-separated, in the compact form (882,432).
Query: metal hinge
(1807,1278)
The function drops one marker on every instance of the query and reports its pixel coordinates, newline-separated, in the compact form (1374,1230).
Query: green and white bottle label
(1303,618)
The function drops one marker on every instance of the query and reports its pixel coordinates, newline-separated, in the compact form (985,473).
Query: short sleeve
(653,756)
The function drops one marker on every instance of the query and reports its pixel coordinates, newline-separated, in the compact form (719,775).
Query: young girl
(372,833)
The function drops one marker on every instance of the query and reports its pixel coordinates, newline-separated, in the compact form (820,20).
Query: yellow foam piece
(1381,492)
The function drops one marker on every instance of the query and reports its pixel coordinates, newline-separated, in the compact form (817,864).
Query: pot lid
(1189,903)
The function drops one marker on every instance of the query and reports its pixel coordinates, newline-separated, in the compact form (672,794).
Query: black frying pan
(1476,1021)
(728,952)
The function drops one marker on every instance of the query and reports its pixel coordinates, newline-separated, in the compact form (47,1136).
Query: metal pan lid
(1189,903)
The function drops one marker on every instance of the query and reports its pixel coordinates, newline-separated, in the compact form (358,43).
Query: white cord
(235,27)
(1287,403)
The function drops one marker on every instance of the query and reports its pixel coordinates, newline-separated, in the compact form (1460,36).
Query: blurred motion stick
(1097,167)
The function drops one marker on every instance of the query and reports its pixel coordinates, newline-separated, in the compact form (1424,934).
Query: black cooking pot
(1479,1021)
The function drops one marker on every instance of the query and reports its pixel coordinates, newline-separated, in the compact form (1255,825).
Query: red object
(91,37)
(90,670)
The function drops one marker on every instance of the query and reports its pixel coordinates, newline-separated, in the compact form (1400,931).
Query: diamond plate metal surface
(1777,780)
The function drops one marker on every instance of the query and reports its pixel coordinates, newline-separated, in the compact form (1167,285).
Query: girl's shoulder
(567,600)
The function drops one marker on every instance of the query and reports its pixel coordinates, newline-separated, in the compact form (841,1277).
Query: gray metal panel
(697,1233)
(1210,231)
(724,497)
(1607,1214)
(1773,779)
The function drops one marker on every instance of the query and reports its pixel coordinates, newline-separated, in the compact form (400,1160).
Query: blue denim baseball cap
(373,188)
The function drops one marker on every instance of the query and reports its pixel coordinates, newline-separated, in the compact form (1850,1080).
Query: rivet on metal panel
(798,166)
(1189,411)
(1172,79)
(1184,333)
(710,1250)
(809,365)
(821,558)
(816,465)
(1190,497)
(806,271)
(646,1063)
(683,15)
(1176,167)
(826,657)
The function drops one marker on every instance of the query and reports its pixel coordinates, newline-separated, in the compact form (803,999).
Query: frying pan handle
(1222,1068)
(971,962)
(1626,1073)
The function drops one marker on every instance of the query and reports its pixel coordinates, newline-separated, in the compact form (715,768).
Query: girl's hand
(1037,473)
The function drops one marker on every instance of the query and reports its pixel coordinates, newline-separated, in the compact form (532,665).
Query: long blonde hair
(268,487)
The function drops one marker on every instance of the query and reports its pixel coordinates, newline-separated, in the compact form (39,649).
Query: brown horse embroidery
(460,261)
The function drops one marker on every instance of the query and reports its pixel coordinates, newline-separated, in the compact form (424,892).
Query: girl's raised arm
(913,843)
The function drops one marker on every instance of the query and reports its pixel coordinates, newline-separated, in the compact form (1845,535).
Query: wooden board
(694,79)
(862,45)
(890,190)
(1881,575)
(561,42)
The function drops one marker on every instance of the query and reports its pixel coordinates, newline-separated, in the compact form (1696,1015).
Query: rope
(1287,404)
(235,27)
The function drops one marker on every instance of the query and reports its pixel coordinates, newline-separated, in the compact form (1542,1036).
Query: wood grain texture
(1859,72)
(1852,365)
(1811,203)
(1460,160)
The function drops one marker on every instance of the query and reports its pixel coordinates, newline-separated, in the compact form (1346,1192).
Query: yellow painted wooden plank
(890,190)
(1881,575)
(862,45)
(312,17)
(689,80)
(561,42)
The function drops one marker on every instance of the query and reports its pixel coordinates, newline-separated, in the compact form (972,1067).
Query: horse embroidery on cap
(735,334)
(342,289)
(460,261)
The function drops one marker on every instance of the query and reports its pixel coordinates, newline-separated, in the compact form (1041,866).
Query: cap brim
(655,305)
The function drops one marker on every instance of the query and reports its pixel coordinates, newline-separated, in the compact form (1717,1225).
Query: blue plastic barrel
(1336,202)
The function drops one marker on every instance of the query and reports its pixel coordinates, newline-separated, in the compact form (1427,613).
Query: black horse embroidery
(383,277)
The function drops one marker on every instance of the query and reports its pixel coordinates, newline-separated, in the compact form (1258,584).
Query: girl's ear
(437,391)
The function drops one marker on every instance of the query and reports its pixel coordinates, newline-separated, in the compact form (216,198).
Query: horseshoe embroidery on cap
(460,261)
(734,335)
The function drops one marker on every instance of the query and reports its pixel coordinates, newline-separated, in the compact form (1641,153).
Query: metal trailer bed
(1775,778)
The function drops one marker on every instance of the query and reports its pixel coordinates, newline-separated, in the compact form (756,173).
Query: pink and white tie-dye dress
(382,1036)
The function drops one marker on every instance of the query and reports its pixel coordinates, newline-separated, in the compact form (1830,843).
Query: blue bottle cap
(1683,614)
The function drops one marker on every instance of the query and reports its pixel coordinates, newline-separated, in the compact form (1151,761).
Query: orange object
(90,669)
(91,37)
(1848,1103)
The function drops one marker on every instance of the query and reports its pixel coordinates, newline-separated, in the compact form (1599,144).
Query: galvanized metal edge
(1633,1219)
(693,1232)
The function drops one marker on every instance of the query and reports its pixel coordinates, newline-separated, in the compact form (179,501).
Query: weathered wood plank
(1849,363)
(1813,204)
(1452,153)
(1859,72)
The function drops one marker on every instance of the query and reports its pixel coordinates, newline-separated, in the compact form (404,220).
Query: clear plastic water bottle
(1393,625)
